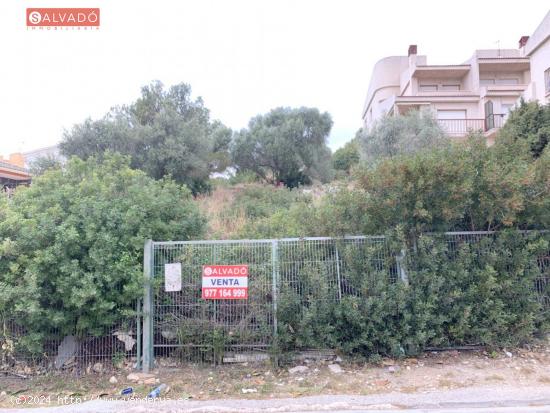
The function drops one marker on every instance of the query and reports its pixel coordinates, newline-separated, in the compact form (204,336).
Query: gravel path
(494,399)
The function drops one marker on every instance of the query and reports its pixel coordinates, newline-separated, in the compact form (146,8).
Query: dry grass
(494,377)
(215,206)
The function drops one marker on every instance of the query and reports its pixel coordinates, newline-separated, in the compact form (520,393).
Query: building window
(428,88)
(511,81)
(450,87)
(547,80)
(451,114)
(486,82)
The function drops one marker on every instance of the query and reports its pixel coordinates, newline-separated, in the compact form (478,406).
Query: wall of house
(540,62)
(385,82)
(538,50)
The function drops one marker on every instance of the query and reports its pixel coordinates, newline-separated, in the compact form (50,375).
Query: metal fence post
(275,277)
(401,271)
(138,333)
(147,307)
(338,271)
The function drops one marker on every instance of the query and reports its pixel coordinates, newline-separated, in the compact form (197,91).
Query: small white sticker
(172,277)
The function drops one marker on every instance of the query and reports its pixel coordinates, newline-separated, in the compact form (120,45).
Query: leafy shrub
(346,157)
(526,131)
(71,249)
(460,291)
(466,186)
(401,135)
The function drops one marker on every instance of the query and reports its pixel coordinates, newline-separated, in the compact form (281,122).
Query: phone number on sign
(225,293)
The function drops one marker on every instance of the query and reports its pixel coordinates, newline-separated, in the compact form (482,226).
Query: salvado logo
(225,271)
(63,17)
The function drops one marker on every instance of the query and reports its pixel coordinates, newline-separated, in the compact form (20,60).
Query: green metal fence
(181,325)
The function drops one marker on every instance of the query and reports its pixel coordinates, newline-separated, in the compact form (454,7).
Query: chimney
(413,49)
(523,41)
(17,159)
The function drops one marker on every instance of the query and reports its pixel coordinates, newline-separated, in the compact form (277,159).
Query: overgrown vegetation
(286,146)
(70,245)
(459,291)
(392,136)
(163,132)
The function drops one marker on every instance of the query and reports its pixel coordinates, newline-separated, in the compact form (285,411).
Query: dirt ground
(429,372)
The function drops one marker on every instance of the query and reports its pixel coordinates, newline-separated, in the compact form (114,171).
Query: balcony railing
(461,127)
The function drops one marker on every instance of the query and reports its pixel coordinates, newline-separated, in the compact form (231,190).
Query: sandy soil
(432,371)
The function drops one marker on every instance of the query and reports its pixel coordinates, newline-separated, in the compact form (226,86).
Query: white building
(474,95)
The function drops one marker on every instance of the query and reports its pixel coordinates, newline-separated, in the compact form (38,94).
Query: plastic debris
(127,390)
(156,392)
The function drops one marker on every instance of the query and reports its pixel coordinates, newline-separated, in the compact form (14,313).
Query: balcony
(461,127)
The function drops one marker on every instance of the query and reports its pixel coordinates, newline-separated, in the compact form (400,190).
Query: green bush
(460,291)
(526,131)
(466,186)
(71,244)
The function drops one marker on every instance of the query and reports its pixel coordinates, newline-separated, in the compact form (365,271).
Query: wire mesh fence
(287,279)
(289,282)
(77,351)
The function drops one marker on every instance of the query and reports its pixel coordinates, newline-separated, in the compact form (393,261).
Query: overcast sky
(242,57)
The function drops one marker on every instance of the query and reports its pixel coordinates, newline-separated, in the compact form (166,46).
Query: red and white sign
(225,282)
(62,17)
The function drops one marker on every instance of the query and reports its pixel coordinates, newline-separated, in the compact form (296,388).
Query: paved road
(468,400)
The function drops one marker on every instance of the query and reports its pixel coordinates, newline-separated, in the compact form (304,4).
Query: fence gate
(182,325)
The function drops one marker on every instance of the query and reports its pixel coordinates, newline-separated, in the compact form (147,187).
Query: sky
(242,57)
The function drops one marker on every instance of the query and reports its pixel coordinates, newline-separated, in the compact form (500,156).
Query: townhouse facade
(476,95)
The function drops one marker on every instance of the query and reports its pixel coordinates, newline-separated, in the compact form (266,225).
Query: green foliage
(465,186)
(398,135)
(259,201)
(286,145)
(42,164)
(346,157)
(460,291)
(526,131)
(163,132)
(71,249)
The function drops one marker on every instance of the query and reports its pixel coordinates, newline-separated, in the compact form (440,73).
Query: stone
(126,338)
(335,369)
(508,354)
(98,368)
(169,334)
(113,380)
(394,369)
(151,380)
(298,369)
(245,391)
(338,359)
(66,351)
(135,377)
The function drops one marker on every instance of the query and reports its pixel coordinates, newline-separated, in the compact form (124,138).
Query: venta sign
(225,282)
